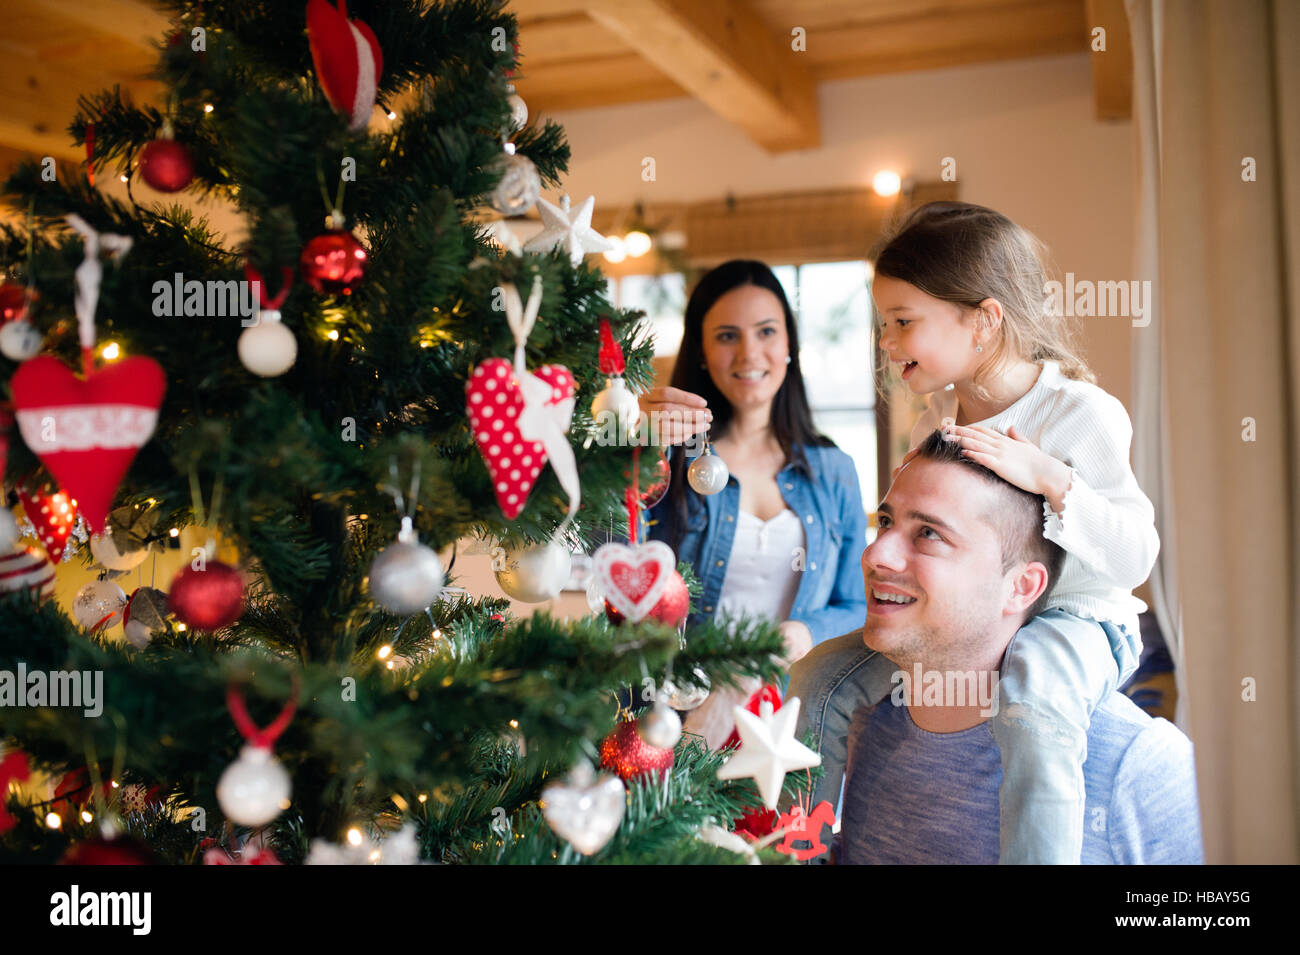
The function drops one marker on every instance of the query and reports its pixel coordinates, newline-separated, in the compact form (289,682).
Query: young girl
(964,315)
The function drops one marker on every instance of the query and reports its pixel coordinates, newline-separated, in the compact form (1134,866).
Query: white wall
(1022,133)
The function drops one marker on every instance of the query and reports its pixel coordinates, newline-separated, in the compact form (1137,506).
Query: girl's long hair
(962,253)
(792,421)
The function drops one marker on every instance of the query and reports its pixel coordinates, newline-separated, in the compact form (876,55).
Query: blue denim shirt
(830,599)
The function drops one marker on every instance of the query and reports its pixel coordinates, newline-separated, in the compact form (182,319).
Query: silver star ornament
(768,749)
(570,230)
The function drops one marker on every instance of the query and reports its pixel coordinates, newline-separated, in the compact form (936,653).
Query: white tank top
(763,572)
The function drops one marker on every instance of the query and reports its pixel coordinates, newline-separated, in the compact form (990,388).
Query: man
(961,563)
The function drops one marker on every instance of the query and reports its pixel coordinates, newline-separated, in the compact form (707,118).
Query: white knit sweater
(1107,525)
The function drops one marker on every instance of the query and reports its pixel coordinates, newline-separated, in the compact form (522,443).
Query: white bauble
(254,789)
(687,698)
(19,340)
(661,727)
(9,533)
(268,349)
(105,551)
(406,577)
(615,399)
(535,573)
(99,605)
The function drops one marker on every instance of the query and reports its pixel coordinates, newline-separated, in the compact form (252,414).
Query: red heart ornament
(53,516)
(634,578)
(347,58)
(495,401)
(87,431)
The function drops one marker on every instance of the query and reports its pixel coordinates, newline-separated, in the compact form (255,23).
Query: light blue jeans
(1056,669)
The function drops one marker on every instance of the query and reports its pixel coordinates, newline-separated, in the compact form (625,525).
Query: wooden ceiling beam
(1112,68)
(726,57)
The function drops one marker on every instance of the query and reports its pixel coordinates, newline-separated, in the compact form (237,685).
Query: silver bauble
(595,596)
(661,727)
(687,697)
(19,340)
(708,473)
(106,553)
(406,577)
(519,187)
(99,605)
(535,573)
(254,789)
(518,110)
(268,349)
(585,809)
(616,404)
(9,533)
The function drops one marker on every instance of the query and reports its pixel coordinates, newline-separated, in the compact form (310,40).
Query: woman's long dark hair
(791,417)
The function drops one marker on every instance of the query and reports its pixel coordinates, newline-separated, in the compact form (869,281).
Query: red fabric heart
(495,402)
(347,58)
(53,516)
(87,431)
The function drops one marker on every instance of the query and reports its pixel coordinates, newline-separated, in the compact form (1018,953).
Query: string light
(181,628)
(175,532)
(423,798)
(53,821)
(385,652)
(333,335)
(207,107)
(354,837)
(111,351)
(619,251)
(392,115)
(86,816)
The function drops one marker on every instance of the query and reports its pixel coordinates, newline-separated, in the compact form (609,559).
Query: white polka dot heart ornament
(496,403)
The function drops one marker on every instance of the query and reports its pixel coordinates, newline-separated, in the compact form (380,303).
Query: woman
(784,538)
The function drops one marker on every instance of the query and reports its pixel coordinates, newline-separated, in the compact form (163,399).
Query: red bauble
(118,851)
(334,262)
(14,301)
(671,609)
(207,599)
(627,754)
(166,165)
(653,494)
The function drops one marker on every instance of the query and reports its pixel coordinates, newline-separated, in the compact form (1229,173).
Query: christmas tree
(307,685)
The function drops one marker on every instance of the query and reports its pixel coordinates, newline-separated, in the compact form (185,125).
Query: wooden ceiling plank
(41,100)
(727,58)
(566,38)
(1018,27)
(1112,69)
(133,20)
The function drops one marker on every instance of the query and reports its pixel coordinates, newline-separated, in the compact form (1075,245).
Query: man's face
(936,547)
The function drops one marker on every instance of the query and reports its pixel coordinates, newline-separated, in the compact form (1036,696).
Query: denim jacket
(830,598)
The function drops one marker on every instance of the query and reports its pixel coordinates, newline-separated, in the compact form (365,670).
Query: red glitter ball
(207,599)
(627,754)
(334,262)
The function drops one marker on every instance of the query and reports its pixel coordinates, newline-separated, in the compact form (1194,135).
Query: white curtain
(1217,394)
